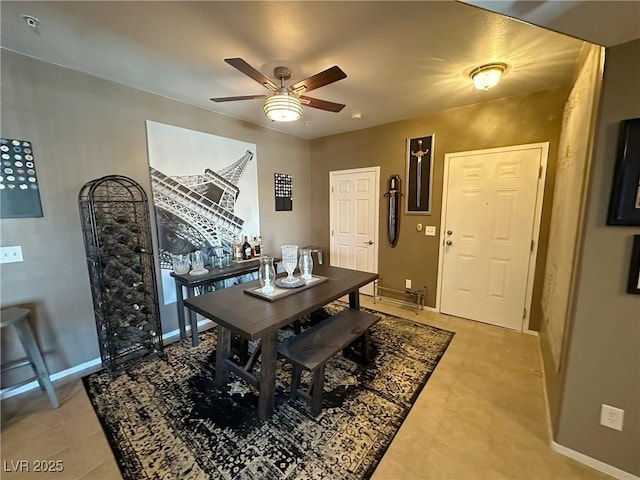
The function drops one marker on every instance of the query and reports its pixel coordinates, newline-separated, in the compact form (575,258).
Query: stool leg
(37,362)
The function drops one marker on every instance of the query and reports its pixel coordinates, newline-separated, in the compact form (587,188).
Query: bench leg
(317,389)
(366,358)
(359,350)
(295,381)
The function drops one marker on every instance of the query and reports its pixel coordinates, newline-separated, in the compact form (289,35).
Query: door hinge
(332,233)
(524,313)
(532,244)
(331,189)
(540,172)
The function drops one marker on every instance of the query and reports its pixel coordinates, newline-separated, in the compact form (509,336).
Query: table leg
(266,402)
(193,319)
(354,299)
(180,302)
(223,353)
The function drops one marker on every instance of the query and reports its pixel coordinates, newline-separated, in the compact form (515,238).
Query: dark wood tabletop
(253,317)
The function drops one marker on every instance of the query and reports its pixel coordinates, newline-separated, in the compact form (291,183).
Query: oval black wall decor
(393,215)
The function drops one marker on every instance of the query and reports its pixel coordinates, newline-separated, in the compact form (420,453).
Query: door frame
(376,220)
(544,150)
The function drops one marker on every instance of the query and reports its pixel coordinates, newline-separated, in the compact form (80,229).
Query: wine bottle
(256,246)
(246,249)
(237,249)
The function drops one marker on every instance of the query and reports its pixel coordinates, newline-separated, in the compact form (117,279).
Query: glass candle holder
(306,263)
(267,274)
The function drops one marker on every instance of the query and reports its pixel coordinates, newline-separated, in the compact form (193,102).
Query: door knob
(449,242)
(370,242)
(449,232)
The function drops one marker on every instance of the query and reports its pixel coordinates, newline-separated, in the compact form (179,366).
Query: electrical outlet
(407,283)
(611,417)
(11,254)
(430,230)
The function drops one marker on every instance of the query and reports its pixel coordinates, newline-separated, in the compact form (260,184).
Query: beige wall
(571,183)
(82,128)
(519,120)
(602,364)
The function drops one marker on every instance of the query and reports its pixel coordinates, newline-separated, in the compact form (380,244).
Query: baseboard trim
(535,333)
(566,451)
(81,368)
(592,462)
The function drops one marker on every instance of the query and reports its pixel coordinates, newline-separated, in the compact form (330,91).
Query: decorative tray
(279,292)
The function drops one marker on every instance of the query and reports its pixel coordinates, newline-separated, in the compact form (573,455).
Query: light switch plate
(11,254)
(430,230)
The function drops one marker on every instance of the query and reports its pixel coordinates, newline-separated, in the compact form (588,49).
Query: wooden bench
(311,350)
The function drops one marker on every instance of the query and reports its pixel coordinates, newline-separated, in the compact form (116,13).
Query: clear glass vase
(197,263)
(306,263)
(289,262)
(267,274)
(181,263)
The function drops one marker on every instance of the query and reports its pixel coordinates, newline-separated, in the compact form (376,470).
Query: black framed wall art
(419,174)
(19,189)
(624,204)
(283,191)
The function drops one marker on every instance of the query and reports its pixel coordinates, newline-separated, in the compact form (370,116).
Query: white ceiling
(605,23)
(402,59)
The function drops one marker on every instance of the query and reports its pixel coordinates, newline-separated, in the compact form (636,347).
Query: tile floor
(480,416)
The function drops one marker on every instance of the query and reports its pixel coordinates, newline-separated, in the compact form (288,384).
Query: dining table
(214,275)
(236,312)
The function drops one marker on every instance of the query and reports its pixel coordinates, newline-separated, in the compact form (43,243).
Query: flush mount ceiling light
(487,76)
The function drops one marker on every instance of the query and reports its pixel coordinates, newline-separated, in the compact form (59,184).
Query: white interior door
(353,215)
(488,231)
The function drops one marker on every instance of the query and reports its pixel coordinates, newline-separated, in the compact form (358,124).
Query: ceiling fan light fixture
(282,107)
(487,76)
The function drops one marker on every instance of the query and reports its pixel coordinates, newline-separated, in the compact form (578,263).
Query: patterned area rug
(166,419)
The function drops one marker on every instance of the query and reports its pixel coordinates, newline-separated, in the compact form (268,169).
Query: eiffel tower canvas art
(205,192)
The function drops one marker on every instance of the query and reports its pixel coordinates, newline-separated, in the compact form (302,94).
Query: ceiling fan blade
(233,99)
(248,70)
(318,80)
(321,104)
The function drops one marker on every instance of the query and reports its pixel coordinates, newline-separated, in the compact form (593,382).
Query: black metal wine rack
(115,222)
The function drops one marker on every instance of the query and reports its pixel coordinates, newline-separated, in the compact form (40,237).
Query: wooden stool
(19,319)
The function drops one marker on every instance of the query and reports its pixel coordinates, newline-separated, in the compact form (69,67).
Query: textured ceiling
(403,59)
(605,23)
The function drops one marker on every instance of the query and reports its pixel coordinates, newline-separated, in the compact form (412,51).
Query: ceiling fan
(285,104)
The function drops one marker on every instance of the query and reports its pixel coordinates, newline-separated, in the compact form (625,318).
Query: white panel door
(487,233)
(354,220)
